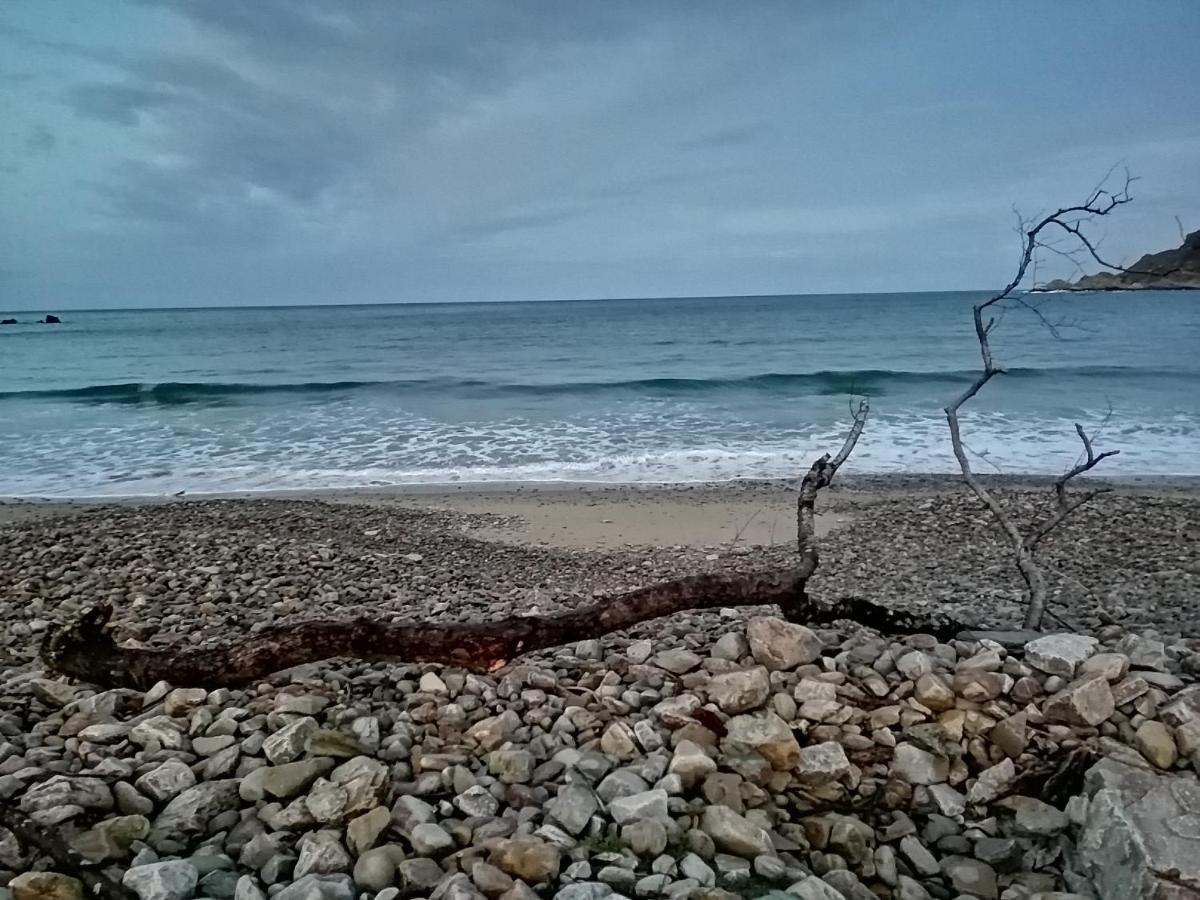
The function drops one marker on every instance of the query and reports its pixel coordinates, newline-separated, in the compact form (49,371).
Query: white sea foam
(634,448)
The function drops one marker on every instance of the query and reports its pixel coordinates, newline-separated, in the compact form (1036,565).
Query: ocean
(150,402)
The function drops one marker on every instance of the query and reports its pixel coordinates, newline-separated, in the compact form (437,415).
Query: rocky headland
(1167,270)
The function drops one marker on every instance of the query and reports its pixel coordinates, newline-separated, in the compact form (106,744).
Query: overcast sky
(188,152)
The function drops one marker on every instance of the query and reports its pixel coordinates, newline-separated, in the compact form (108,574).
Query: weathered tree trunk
(86,650)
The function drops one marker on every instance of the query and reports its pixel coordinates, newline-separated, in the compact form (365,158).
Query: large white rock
(168,780)
(993,782)
(171,880)
(915,765)
(1139,836)
(1088,701)
(779,645)
(646,805)
(767,735)
(822,763)
(1060,654)
(738,692)
(733,833)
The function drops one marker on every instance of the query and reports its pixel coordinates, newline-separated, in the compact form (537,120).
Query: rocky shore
(710,755)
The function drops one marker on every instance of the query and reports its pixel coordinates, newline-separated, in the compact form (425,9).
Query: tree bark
(86,650)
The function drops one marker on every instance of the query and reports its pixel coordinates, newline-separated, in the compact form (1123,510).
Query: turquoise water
(156,401)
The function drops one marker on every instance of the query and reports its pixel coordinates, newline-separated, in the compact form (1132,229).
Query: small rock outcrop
(1177,269)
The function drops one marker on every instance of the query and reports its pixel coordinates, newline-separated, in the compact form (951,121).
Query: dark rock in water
(8,321)
(50,320)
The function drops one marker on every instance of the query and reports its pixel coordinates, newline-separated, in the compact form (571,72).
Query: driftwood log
(87,650)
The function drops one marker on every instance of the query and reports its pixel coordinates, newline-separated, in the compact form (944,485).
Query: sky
(196,153)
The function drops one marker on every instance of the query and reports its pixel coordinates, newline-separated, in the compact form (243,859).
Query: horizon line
(629,299)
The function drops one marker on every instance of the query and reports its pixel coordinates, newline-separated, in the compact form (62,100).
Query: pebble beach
(708,755)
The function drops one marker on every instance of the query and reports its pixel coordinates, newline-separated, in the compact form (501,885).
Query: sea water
(155,401)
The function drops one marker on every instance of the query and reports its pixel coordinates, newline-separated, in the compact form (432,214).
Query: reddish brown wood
(86,649)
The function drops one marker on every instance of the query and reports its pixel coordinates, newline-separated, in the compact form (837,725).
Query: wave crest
(871,382)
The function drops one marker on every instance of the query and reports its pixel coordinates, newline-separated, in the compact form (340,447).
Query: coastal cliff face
(1167,270)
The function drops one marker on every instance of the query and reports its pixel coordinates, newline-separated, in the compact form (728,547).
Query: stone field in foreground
(771,761)
(707,755)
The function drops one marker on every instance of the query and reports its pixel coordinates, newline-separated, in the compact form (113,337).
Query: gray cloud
(40,140)
(381,150)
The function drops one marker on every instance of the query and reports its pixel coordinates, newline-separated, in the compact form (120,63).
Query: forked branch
(1069,219)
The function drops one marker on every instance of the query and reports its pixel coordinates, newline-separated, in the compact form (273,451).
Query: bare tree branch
(987,314)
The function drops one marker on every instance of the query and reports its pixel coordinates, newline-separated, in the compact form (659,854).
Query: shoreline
(852,481)
(590,516)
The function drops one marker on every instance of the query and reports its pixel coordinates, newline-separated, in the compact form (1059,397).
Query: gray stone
(677,662)
(376,869)
(734,833)
(110,838)
(1156,743)
(409,812)
(920,857)
(731,646)
(916,766)
(813,888)
(621,783)
(781,645)
(288,743)
(321,853)
(318,887)
(822,763)
(618,741)
(646,805)
(477,801)
(639,651)
(971,877)
(652,885)
(419,873)
(584,890)
(645,838)
(573,807)
(82,792)
(512,766)
(1035,817)
(738,692)
(363,831)
(691,763)
(765,734)
(285,781)
(490,880)
(247,889)
(1139,833)
(948,801)
(1060,654)
(430,839)
(166,781)
(171,880)
(191,811)
(1087,701)
(993,782)
(847,884)
(692,866)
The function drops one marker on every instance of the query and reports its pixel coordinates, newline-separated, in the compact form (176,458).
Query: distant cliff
(1177,269)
